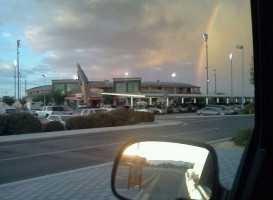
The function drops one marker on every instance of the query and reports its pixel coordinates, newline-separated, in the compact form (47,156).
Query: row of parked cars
(218,110)
(169,109)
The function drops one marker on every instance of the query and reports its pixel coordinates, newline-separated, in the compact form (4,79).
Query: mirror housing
(166,169)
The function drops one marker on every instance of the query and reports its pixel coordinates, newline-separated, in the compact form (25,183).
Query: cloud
(6,35)
(110,37)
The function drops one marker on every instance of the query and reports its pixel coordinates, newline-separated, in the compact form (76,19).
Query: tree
(41,98)
(251,72)
(108,99)
(23,101)
(57,96)
(8,100)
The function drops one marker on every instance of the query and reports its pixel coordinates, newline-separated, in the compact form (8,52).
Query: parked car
(144,110)
(162,110)
(175,109)
(157,110)
(92,111)
(34,105)
(192,108)
(83,105)
(225,109)
(59,118)
(108,107)
(210,111)
(184,109)
(8,110)
(53,110)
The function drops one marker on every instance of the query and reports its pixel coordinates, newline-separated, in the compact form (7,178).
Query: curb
(221,140)
(44,136)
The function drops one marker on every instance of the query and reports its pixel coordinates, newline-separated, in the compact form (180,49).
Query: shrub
(79,122)
(144,117)
(103,119)
(248,109)
(3,124)
(123,117)
(242,137)
(20,123)
(107,119)
(54,126)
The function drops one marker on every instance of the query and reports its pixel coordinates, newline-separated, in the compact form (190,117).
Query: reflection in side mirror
(164,170)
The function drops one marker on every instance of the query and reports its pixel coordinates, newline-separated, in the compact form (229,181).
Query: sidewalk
(93,182)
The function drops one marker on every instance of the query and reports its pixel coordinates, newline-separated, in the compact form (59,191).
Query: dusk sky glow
(146,38)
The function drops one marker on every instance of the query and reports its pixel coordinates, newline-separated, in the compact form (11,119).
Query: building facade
(123,90)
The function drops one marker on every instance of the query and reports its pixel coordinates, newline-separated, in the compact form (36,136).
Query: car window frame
(255,170)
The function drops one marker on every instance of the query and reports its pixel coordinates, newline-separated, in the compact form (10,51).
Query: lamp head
(239,46)
(173,75)
(230,56)
(18,43)
(205,37)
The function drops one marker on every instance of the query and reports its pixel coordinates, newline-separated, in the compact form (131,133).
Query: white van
(92,111)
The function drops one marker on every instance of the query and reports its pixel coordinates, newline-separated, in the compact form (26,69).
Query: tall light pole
(18,65)
(20,78)
(243,94)
(15,64)
(126,74)
(44,89)
(215,81)
(231,80)
(205,37)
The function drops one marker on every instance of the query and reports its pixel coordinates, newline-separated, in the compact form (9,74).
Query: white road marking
(201,131)
(56,152)
(206,120)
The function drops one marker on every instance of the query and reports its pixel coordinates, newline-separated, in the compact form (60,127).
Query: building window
(59,86)
(70,86)
(133,87)
(120,87)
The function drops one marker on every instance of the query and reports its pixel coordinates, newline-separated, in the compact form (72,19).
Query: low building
(36,91)
(123,90)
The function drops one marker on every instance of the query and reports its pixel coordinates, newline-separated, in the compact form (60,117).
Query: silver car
(59,118)
(210,111)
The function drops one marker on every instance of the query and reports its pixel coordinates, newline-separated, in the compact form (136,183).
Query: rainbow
(201,56)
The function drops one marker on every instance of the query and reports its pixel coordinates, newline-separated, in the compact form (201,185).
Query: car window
(102,54)
(54,118)
(64,118)
(10,110)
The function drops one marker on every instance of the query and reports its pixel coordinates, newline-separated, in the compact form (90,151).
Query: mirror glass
(164,170)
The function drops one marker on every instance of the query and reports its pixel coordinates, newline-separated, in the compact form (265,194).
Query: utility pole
(205,37)
(215,80)
(18,65)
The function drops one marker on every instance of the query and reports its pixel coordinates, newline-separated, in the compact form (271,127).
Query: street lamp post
(215,81)
(18,65)
(231,80)
(15,64)
(20,92)
(243,94)
(205,37)
(126,74)
(44,89)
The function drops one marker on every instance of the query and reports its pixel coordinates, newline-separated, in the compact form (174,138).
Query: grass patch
(248,109)
(242,137)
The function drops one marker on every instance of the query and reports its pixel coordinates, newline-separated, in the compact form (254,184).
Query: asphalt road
(153,184)
(34,159)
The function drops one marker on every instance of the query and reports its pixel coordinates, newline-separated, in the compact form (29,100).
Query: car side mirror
(165,170)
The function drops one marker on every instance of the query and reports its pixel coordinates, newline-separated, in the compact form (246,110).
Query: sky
(150,39)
